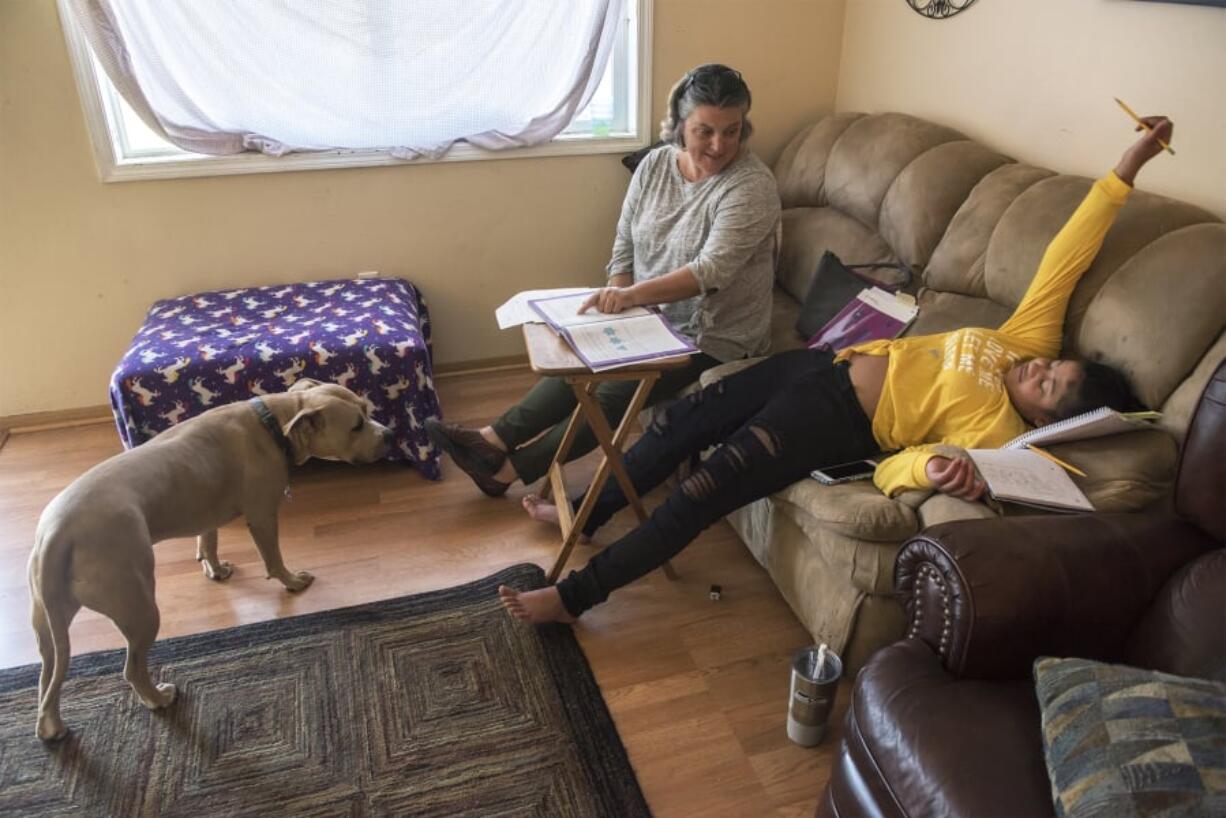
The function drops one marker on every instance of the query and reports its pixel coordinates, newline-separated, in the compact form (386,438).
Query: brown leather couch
(946,722)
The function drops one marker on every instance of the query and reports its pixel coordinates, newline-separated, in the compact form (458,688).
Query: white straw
(821,661)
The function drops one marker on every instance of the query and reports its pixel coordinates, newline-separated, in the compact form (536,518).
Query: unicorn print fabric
(198,351)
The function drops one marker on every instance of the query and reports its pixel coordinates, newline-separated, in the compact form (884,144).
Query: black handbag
(835,284)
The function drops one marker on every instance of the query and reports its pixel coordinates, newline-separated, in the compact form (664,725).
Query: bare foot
(545,512)
(540,510)
(536,607)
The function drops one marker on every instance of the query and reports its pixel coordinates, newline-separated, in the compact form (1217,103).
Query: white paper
(1026,477)
(564,312)
(516,310)
(608,345)
(890,304)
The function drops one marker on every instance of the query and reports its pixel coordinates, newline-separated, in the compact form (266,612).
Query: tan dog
(94,544)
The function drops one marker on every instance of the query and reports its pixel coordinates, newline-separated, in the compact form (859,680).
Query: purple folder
(857,323)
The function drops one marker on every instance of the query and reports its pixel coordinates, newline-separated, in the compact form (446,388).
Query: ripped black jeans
(776,421)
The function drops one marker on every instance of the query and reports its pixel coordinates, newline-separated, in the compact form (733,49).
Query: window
(614,121)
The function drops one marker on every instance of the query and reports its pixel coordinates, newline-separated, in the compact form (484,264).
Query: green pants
(532,429)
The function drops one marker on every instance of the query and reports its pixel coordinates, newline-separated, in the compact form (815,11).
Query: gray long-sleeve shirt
(724,229)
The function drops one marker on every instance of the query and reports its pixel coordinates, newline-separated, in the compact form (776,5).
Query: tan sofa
(889,187)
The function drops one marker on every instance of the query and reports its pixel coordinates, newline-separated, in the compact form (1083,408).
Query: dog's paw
(51,728)
(223,571)
(165,696)
(299,581)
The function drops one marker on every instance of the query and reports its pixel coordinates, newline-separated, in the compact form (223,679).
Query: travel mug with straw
(815,679)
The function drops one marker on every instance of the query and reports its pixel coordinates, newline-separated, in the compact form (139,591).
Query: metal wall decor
(939,9)
(1194,2)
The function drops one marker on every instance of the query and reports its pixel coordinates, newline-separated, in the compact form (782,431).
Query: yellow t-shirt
(949,388)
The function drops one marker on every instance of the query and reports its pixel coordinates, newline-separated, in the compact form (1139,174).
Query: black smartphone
(845,472)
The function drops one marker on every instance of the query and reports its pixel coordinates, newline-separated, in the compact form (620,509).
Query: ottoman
(198,351)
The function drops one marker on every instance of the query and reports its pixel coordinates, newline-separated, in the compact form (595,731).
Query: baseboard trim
(56,419)
(481,366)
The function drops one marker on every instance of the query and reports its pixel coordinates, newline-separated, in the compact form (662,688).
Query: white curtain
(409,76)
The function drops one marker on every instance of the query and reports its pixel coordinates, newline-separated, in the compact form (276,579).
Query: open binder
(606,341)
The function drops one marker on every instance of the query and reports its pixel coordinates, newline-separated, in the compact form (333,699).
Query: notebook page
(1026,477)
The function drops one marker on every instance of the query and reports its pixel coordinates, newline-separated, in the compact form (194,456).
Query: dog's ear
(298,431)
(304,383)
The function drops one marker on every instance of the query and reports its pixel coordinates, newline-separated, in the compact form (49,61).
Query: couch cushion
(1148,232)
(1161,309)
(808,232)
(1120,740)
(942,508)
(1127,472)
(784,311)
(1152,300)
(1025,229)
(869,155)
(941,312)
(856,510)
(1030,223)
(928,192)
(957,262)
(1037,214)
(801,169)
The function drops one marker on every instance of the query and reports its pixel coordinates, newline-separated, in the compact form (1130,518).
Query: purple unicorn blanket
(198,351)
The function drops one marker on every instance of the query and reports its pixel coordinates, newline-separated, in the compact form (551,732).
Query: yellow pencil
(1057,461)
(1137,120)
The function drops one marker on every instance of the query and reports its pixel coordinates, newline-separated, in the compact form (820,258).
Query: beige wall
(80,261)
(1035,80)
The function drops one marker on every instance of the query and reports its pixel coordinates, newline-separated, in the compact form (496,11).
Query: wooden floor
(698,688)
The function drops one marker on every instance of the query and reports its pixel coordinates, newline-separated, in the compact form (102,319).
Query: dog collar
(270,423)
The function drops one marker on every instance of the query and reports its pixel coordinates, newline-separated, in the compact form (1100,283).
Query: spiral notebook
(1095,423)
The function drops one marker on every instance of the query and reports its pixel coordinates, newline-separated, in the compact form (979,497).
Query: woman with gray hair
(696,236)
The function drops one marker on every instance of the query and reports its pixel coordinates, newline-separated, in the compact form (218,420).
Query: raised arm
(1039,318)
(1037,325)
(1145,148)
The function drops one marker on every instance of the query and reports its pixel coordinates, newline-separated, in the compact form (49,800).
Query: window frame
(113,166)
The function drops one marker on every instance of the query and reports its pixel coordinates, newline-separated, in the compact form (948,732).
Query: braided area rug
(430,705)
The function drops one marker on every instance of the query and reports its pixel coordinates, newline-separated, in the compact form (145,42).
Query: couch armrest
(991,595)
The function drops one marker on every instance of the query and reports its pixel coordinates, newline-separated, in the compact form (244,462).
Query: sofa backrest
(1183,631)
(1200,488)
(874,187)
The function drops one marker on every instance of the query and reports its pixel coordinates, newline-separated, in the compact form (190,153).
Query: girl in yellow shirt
(799,410)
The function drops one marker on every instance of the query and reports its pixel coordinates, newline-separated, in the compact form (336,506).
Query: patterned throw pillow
(1125,742)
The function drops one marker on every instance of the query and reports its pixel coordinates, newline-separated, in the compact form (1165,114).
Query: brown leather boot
(475,456)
